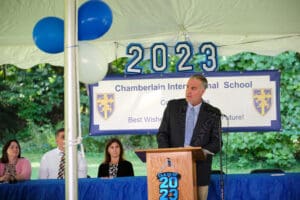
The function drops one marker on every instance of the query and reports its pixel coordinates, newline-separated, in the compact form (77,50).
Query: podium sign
(171,172)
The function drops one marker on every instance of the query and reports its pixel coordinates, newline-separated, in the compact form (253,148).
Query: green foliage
(117,67)
(31,104)
(36,138)
(268,149)
(35,94)
(94,144)
(140,141)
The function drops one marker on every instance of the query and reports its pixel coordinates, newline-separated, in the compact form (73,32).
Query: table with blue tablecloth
(236,186)
(256,187)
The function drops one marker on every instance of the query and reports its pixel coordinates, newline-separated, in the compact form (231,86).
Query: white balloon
(92,63)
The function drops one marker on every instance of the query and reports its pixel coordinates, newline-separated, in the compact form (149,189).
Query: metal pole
(71,99)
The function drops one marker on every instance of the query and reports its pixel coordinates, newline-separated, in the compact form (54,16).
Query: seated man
(52,162)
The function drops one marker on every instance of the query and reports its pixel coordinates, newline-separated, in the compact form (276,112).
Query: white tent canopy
(266,27)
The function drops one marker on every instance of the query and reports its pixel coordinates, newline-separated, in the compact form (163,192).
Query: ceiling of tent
(262,26)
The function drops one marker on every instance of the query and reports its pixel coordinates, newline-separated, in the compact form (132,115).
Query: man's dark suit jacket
(206,133)
(124,169)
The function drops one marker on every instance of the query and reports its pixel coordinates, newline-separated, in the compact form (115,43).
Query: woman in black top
(114,164)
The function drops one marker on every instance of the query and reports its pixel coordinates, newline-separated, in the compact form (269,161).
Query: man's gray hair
(201,78)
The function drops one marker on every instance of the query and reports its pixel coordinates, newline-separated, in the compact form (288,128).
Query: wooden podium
(171,172)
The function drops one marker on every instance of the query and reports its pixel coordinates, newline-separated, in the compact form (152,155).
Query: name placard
(249,101)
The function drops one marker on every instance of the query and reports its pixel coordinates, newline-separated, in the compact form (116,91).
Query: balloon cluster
(94,20)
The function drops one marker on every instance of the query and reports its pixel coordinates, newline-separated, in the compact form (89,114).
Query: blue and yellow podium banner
(249,101)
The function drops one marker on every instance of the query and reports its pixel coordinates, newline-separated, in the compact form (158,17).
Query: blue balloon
(48,34)
(94,20)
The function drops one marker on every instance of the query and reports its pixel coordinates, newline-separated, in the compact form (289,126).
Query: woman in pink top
(12,166)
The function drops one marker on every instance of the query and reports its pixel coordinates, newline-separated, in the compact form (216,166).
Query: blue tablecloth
(236,187)
(257,187)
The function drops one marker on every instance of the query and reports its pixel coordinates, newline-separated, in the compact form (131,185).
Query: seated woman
(114,164)
(13,167)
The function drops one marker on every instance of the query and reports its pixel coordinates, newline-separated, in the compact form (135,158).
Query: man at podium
(193,122)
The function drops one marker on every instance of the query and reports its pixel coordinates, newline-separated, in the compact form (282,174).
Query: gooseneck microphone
(218,113)
(222,186)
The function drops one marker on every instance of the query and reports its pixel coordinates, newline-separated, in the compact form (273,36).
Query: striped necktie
(61,169)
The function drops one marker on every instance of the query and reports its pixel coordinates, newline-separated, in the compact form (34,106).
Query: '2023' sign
(168,188)
(159,57)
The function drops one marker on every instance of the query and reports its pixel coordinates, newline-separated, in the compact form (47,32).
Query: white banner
(249,101)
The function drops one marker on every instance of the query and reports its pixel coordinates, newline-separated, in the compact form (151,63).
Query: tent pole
(71,101)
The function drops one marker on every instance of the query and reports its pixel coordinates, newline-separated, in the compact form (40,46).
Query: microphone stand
(221,160)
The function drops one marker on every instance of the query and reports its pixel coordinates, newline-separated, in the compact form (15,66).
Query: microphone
(223,115)
(213,110)
(216,111)
(222,183)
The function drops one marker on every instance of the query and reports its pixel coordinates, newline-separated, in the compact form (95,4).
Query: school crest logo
(262,99)
(105,104)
